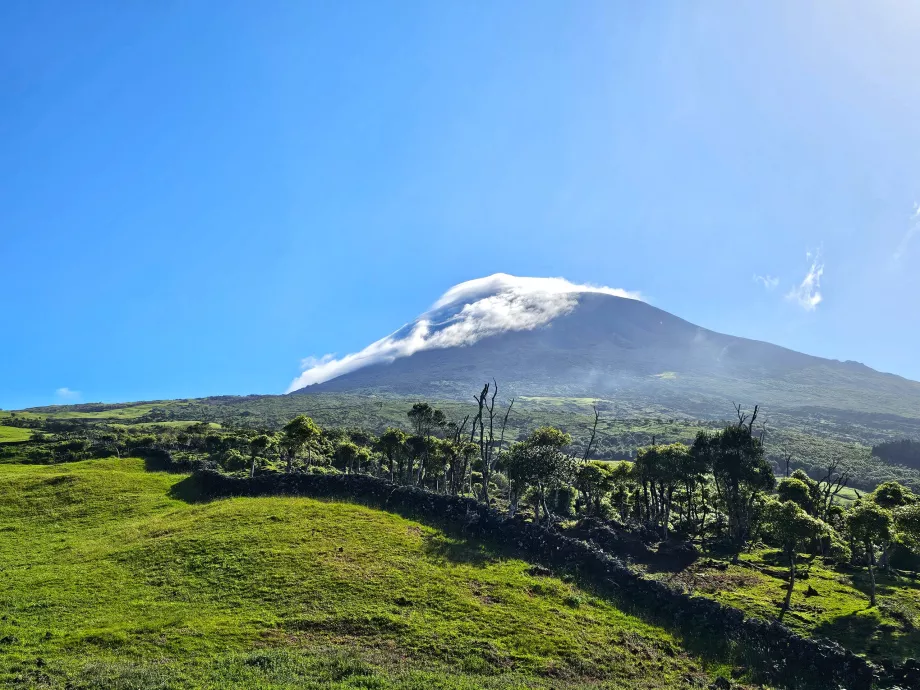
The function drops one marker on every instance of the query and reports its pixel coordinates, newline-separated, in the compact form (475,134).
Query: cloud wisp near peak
(465,314)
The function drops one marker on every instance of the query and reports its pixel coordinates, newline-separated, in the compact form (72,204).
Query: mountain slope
(610,346)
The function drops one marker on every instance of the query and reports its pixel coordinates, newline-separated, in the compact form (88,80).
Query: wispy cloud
(808,293)
(465,314)
(65,395)
(913,230)
(768,281)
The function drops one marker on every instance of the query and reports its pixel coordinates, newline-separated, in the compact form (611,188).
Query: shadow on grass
(188,490)
(863,633)
(665,563)
(443,548)
(885,585)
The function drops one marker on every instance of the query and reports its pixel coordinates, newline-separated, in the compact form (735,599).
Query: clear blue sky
(194,196)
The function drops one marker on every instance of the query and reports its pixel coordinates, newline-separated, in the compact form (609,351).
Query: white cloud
(808,293)
(914,229)
(66,395)
(463,315)
(769,282)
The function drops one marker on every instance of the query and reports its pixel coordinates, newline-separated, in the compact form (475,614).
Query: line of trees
(719,490)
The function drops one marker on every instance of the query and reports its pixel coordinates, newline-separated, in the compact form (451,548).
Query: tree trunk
(791,586)
(885,560)
(252,468)
(871,550)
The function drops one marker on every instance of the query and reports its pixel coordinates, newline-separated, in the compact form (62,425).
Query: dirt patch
(712,581)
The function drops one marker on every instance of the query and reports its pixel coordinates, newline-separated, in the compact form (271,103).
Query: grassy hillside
(115,578)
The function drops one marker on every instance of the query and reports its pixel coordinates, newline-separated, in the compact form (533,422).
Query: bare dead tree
(787,456)
(597,416)
(501,438)
(743,417)
(830,486)
(458,468)
(490,408)
(481,401)
(477,420)
(459,430)
(487,444)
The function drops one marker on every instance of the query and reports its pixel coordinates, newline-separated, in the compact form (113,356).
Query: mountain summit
(549,337)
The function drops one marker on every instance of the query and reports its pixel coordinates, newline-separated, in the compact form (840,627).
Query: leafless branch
(597,416)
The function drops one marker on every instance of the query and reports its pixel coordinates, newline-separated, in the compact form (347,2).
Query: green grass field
(13,434)
(114,577)
(837,608)
(847,495)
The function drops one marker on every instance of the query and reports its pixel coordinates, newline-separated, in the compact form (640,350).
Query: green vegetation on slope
(827,602)
(814,437)
(12,434)
(115,577)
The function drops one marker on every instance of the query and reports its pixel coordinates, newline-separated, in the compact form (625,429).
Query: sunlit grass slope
(111,580)
(12,434)
(826,602)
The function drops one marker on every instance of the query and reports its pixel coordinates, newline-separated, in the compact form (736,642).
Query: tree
(787,456)
(792,528)
(297,434)
(416,448)
(258,446)
(659,472)
(891,495)
(594,480)
(540,463)
(346,452)
(740,472)
(692,468)
(796,491)
(871,526)
(597,416)
(485,442)
(459,455)
(907,522)
(425,419)
(392,444)
(232,460)
(363,456)
(829,487)
(621,479)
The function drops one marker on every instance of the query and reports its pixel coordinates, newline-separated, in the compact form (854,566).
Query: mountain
(595,342)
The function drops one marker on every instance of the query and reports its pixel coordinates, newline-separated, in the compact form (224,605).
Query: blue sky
(194,197)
